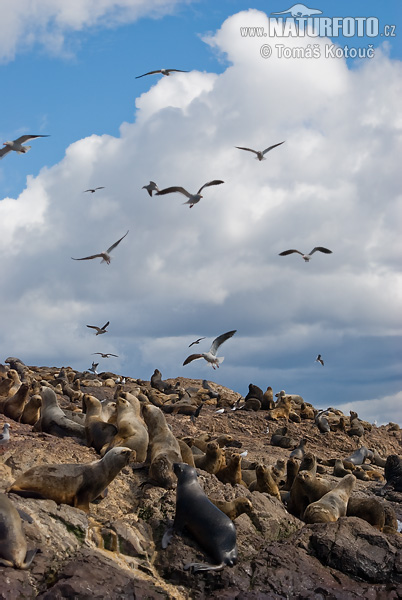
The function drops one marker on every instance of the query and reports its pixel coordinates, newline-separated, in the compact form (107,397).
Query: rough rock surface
(114,552)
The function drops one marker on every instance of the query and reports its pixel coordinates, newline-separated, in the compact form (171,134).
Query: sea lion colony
(309,486)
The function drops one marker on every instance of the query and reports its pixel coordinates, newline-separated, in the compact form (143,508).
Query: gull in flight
(151,187)
(319,359)
(99,330)
(105,255)
(163,72)
(93,190)
(210,356)
(260,153)
(306,257)
(105,355)
(192,198)
(196,341)
(17,146)
(93,368)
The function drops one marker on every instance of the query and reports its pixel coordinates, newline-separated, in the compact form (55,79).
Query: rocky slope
(114,551)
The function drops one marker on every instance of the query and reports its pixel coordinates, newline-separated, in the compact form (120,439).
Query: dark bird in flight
(99,330)
(151,187)
(306,257)
(260,153)
(93,190)
(162,71)
(105,255)
(17,146)
(101,353)
(210,356)
(196,341)
(319,359)
(192,198)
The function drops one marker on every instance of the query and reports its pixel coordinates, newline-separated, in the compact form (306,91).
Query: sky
(69,69)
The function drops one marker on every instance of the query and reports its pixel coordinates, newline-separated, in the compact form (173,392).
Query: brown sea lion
(339,469)
(131,430)
(231,473)
(210,527)
(234,508)
(14,406)
(356,428)
(292,469)
(73,484)
(333,504)
(213,460)
(267,402)
(186,453)
(309,463)
(369,509)
(13,545)
(98,433)
(265,482)
(31,412)
(306,488)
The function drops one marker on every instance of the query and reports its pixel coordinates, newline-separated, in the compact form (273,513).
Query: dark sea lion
(254,392)
(279,438)
(339,469)
(13,545)
(211,528)
(356,428)
(54,421)
(333,504)
(98,433)
(369,509)
(234,508)
(73,484)
(299,451)
(322,422)
(393,474)
(359,456)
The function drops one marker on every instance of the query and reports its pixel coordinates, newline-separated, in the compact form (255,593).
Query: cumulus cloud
(48,22)
(183,273)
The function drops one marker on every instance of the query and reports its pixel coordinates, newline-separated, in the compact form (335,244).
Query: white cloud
(186,272)
(48,22)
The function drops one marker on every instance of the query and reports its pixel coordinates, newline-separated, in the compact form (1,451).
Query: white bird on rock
(5,436)
(17,146)
(192,198)
(306,257)
(105,255)
(210,356)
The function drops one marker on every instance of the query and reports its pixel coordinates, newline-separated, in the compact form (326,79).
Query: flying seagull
(192,198)
(93,190)
(93,368)
(151,187)
(196,341)
(99,330)
(260,153)
(17,146)
(105,355)
(105,255)
(319,359)
(306,257)
(210,356)
(162,71)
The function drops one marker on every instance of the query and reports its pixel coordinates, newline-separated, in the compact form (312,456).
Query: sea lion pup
(10,384)
(213,460)
(279,438)
(73,484)
(211,528)
(267,402)
(131,430)
(306,411)
(292,469)
(306,488)
(31,412)
(164,449)
(333,504)
(13,545)
(234,508)
(359,473)
(74,393)
(377,459)
(53,420)
(393,474)
(14,406)
(339,469)
(99,433)
(232,472)
(299,451)
(359,456)
(356,428)
(368,509)
(322,422)
(186,453)
(264,482)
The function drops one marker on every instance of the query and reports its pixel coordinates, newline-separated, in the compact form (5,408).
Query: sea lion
(73,484)
(54,421)
(13,545)
(267,402)
(359,473)
(211,528)
(391,522)
(14,406)
(369,509)
(356,428)
(99,433)
(232,472)
(339,469)
(306,488)
(254,392)
(264,482)
(292,469)
(333,504)
(10,384)
(322,422)
(278,470)
(186,453)
(359,456)
(31,412)
(299,451)
(252,404)
(234,508)
(248,476)
(279,438)
(306,411)
(309,463)
(339,425)
(164,449)
(281,411)
(393,474)
(213,460)
(131,430)
(377,459)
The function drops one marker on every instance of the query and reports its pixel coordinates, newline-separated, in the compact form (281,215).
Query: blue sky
(184,273)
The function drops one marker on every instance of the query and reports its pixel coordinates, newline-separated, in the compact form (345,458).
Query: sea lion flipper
(203,567)
(6,563)
(30,555)
(167,536)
